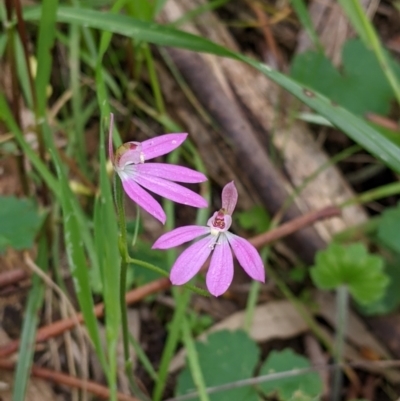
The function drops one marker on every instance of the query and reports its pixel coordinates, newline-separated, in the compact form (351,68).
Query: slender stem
(342,300)
(119,200)
(122,243)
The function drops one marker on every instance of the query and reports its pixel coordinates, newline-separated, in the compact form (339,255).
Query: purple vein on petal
(161,145)
(170,190)
(220,273)
(179,236)
(191,260)
(143,199)
(247,256)
(171,172)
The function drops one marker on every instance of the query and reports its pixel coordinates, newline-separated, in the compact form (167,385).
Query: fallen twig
(71,381)
(12,277)
(294,225)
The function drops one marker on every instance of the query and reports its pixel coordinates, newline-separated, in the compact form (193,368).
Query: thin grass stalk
(194,363)
(125,259)
(342,304)
(15,99)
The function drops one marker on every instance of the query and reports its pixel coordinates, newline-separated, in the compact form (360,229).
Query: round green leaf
(225,357)
(19,223)
(354,267)
(303,387)
(388,229)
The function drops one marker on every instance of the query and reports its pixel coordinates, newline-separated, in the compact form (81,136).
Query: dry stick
(295,225)
(12,277)
(71,381)
(136,295)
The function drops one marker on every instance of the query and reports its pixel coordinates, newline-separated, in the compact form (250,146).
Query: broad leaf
(225,357)
(354,267)
(302,387)
(20,222)
(358,89)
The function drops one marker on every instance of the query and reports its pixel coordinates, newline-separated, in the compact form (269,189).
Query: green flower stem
(122,243)
(342,301)
(157,269)
(119,200)
(193,359)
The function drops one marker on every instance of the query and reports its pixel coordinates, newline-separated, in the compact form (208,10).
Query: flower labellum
(219,242)
(130,164)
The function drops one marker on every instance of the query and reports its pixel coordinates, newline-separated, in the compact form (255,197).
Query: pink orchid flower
(218,241)
(129,163)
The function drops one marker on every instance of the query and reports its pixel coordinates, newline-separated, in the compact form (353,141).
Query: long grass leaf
(356,128)
(45,43)
(77,262)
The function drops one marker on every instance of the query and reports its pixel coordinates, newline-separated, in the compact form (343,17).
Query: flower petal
(247,257)
(170,190)
(229,197)
(220,272)
(179,236)
(143,199)
(191,260)
(160,145)
(171,172)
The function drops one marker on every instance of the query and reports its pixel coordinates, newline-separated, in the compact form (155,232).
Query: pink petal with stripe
(179,236)
(170,190)
(171,172)
(161,145)
(220,273)
(143,199)
(247,256)
(191,260)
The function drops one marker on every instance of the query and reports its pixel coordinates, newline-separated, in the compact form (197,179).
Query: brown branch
(70,381)
(295,225)
(138,294)
(12,277)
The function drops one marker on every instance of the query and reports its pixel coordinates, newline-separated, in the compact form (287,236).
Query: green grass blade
(45,44)
(106,234)
(77,142)
(193,359)
(77,261)
(22,72)
(144,360)
(302,12)
(356,128)
(31,314)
